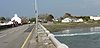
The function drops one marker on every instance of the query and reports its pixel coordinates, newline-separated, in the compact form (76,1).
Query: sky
(55,7)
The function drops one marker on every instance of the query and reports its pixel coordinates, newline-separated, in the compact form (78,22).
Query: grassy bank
(63,26)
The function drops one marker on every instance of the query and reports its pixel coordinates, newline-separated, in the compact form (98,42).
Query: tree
(60,19)
(67,15)
(2,18)
(86,18)
(42,16)
(50,17)
(24,20)
(32,19)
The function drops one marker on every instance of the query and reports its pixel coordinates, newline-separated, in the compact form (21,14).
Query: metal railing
(53,39)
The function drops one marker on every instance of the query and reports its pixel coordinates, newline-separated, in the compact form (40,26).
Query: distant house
(16,18)
(55,19)
(42,20)
(78,20)
(72,20)
(95,18)
(67,20)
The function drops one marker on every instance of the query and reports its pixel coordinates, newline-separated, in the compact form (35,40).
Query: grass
(63,26)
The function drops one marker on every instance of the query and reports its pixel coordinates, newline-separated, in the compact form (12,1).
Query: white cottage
(78,20)
(55,19)
(67,20)
(16,18)
(95,18)
(72,20)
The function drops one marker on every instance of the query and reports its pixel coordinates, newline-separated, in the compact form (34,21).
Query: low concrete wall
(53,39)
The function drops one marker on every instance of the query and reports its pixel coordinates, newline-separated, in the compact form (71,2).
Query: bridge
(27,36)
(42,38)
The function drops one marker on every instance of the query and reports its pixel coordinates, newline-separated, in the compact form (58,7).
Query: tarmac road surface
(15,37)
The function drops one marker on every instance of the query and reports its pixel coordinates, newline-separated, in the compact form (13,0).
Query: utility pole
(36,14)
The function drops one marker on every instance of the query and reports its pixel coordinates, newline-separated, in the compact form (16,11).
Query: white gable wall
(16,18)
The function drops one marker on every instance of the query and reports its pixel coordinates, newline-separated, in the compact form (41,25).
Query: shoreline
(65,26)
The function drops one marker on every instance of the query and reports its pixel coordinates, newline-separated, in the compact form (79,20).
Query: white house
(78,20)
(95,18)
(67,20)
(54,19)
(72,20)
(16,18)
(10,22)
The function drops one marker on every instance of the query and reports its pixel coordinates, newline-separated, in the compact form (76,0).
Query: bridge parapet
(53,39)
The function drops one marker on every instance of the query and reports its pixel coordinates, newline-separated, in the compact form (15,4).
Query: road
(14,37)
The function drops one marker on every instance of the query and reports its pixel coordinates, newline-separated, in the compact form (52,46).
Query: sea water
(88,37)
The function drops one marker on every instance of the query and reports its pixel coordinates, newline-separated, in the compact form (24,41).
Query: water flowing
(77,34)
(88,37)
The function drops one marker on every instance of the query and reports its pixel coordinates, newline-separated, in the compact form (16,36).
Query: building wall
(72,20)
(95,18)
(16,18)
(67,20)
